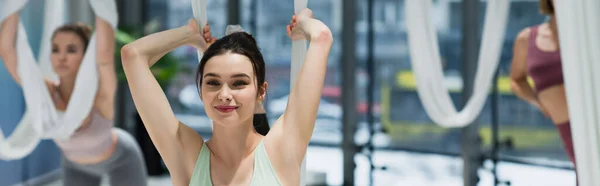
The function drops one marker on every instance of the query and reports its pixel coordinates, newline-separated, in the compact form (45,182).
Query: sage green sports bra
(264,173)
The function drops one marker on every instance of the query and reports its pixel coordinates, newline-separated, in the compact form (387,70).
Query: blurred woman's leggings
(125,167)
(564,129)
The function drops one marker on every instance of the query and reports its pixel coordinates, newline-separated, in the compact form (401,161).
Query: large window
(269,18)
(402,113)
(398,108)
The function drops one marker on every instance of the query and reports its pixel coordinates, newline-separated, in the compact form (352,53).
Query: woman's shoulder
(525,33)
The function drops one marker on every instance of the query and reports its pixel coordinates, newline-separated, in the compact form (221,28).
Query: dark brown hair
(546,7)
(239,43)
(83,31)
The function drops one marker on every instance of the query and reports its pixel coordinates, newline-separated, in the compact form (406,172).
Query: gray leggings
(125,167)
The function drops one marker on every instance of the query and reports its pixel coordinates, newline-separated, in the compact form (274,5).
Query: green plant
(164,69)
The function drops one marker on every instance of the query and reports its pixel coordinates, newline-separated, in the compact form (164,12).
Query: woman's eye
(240,83)
(212,83)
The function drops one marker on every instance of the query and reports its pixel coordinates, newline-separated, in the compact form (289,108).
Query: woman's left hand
(293,29)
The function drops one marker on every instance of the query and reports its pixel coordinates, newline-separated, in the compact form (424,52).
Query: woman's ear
(263,92)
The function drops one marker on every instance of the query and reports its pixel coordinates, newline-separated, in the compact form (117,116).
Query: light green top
(264,173)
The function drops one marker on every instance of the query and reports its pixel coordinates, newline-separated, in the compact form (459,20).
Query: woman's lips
(226,109)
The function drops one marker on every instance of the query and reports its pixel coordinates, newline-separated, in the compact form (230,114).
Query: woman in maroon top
(537,54)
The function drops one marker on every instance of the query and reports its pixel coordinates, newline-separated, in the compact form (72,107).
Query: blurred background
(395,144)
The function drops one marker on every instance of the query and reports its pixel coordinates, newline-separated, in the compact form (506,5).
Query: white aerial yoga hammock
(41,119)
(298,51)
(578,28)
(426,62)
(298,54)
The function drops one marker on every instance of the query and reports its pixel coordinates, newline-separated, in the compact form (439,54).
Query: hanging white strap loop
(426,62)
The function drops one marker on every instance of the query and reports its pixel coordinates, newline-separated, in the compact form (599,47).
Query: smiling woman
(231,80)
(244,79)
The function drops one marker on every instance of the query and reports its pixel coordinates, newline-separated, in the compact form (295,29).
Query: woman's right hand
(200,40)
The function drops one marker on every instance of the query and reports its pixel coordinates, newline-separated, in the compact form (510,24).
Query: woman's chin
(223,119)
(227,121)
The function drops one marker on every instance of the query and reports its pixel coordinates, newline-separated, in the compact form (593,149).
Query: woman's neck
(65,88)
(554,30)
(233,144)
(552,24)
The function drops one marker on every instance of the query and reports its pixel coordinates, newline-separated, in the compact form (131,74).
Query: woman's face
(67,54)
(229,89)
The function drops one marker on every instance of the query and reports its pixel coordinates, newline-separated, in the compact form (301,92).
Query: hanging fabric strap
(29,131)
(41,119)
(578,29)
(299,50)
(426,62)
(200,15)
(53,18)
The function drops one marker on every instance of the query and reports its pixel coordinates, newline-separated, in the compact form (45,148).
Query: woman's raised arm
(178,144)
